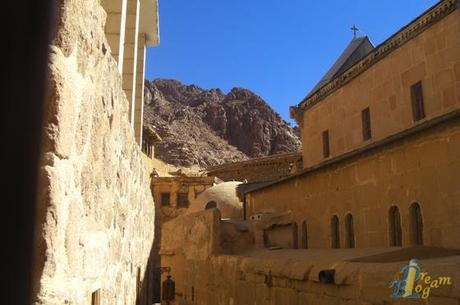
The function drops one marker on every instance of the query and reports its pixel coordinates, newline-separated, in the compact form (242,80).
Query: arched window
(304,235)
(349,231)
(394,220)
(416,224)
(211,205)
(335,237)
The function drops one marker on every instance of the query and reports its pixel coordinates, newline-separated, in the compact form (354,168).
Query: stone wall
(190,187)
(422,168)
(96,226)
(432,57)
(287,278)
(192,247)
(259,169)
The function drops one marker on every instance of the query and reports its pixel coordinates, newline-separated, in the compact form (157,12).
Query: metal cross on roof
(354,29)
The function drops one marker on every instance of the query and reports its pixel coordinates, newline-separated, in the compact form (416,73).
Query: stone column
(139,98)
(130,54)
(115,28)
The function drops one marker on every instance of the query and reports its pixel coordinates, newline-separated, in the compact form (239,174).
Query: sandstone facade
(342,228)
(423,169)
(95,228)
(199,251)
(395,188)
(427,50)
(173,196)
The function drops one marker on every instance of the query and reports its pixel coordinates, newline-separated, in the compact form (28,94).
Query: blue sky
(277,48)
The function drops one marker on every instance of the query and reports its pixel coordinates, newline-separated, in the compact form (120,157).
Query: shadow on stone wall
(23,106)
(149,286)
(149,291)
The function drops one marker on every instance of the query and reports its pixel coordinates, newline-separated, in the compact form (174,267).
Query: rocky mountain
(208,127)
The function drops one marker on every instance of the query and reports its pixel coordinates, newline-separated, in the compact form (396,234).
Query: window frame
(326,144)
(417,102)
(180,203)
(163,196)
(366,124)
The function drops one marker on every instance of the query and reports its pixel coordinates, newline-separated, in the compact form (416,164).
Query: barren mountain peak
(208,127)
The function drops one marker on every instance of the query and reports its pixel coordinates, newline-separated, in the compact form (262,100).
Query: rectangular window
(326,151)
(182,200)
(416,94)
(366,122)
(165,199)
(96,297)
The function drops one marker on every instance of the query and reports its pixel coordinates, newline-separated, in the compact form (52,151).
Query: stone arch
(335,232)
(416,224)
(394,221)
(211,205)
(304,235)
(349,231)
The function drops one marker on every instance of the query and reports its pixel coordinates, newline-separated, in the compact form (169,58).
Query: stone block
(413,75)
(130,35)
(128,84)
(99,211)
(443,78)
(132,7)
(111,6)
(113,23)
(128,67)
(457,71)
(448,97)
(128,52)
(114,43)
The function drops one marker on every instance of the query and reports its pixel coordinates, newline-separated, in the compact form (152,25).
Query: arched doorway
(335,236)
(349,231)
(211,205)
(394,221)
(416,224)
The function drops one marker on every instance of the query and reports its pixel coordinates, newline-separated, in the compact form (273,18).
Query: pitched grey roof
(355,51)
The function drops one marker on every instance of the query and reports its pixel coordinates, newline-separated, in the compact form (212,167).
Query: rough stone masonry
(96,210)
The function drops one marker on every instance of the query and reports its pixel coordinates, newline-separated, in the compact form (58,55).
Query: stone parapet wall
(286,279)
(259,169)
(96,211)
(193,248)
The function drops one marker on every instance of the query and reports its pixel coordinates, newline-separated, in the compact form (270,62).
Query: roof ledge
(149,22)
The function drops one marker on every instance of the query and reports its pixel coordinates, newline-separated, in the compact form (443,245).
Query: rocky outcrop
(208,127)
